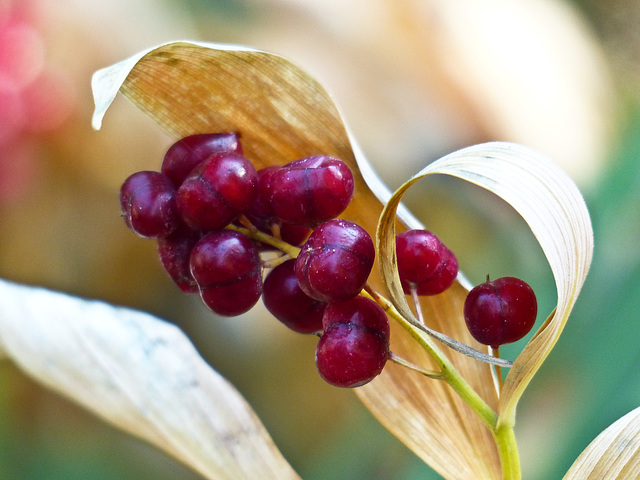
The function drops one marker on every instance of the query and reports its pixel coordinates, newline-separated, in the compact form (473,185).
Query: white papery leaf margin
(142,375)
(614,454)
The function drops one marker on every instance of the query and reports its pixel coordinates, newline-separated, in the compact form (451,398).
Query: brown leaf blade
(140,374)
(426,414)
(554,209)
(614,454)
(284,114)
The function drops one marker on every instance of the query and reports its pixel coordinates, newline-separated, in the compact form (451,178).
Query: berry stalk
(503,435)
(278,243)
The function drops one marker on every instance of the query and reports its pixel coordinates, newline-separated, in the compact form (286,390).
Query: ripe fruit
(217,191)
(308,191)
(335,262)
(350,355)
(286,301)
(423,260)
(148,201)
(174,251)
(500,311)
(184,155)
(227,268)
(358,310)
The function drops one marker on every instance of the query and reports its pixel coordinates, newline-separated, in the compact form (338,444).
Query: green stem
(278,243)
(405,363)
(508,452)
(449,373)
(503,434)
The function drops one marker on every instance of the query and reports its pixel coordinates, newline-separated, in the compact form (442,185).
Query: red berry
(358,311)
(148,201)
(350,355)
(187,153)
(227,267)
(286,301)
(308,191)
(294,234)
(500,311)
(335,262)
(264,220)
(423,260)
(174,251)
(217,191)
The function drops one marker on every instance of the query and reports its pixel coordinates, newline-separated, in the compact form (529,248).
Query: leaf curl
(554,209)
(614,454)
(283,114)
(140,374)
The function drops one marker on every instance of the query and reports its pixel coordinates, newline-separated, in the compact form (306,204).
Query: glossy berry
(261,216)
(358,310)
(308,191)
(424,261)
(335,262)
(286,301)
(174,251)
(217,191)
(294,234)
(187,153)
(148,202)
(227,268)
(500,311)
(350,355)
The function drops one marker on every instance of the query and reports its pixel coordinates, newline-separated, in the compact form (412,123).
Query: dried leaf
(284,114)
(555,211)
(140,374)
(614,454)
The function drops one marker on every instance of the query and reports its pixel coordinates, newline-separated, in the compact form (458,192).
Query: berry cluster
(214,215)
(204,207)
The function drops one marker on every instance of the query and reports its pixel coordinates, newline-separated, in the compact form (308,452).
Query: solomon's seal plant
(265,194)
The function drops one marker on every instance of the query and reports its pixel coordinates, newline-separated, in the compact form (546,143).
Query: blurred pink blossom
(34,97)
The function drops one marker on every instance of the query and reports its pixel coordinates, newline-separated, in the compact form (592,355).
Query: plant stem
(405,363)
(449,373)
(496,371)
(278,243)
(508,452)
(503,434)
(416,303)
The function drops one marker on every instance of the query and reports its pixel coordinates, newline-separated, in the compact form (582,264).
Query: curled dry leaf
(555,211)
(140,374)
(283,114)
(614,454)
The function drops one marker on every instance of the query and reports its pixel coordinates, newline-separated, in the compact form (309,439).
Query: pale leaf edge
(142,375)
(613,454)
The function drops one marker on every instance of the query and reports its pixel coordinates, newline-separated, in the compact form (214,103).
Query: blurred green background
(415,80)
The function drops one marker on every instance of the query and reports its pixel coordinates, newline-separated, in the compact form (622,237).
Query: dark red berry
(184,155)
(424,261)
(308,191)
(500,311)
(294,234)
(286,301)
(217,191)
(261,216)
(174,251)
(358,311)
(227,267)
(350,355)
(148,201)
(335,262)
